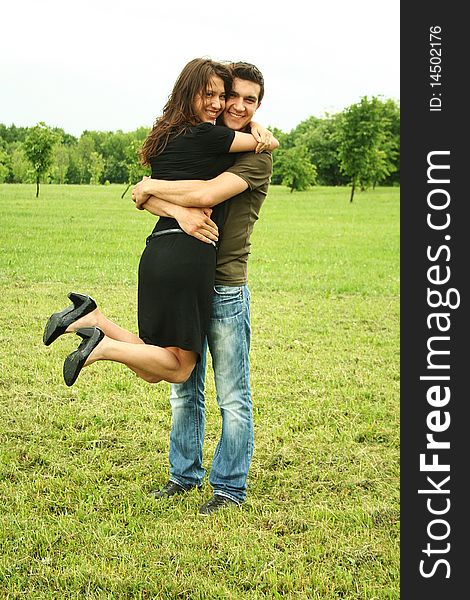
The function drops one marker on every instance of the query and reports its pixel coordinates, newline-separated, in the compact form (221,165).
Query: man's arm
(194,221)
(194,192)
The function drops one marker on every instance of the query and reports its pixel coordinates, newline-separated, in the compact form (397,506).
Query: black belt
(163,232)
(166,231)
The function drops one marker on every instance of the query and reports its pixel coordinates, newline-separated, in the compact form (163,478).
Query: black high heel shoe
(59,321)
(74,362)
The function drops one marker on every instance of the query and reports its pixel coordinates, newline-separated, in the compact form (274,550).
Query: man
(228,338)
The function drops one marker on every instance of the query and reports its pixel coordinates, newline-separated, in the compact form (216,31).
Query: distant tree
(60,163)
(114,152)
(96,168)
(365,144)
(285,142)
(4,165)
(13,133)
(135,168)
(73,175)
(66,138)
(85,149)
(21,171)
(39,145)
(392,113)
(320,137)
(295,169)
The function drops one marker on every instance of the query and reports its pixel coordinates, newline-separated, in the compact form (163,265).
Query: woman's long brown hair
(178,113)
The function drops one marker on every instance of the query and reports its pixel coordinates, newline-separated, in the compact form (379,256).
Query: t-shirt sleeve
(254,169)
(216,139)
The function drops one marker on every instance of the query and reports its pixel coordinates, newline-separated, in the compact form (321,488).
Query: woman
(176,271)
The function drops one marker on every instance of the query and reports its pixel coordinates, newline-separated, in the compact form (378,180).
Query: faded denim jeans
(228,339)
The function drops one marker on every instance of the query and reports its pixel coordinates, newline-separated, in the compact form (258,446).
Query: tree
(85,150)
(320,136)
(135,167)
(21,171)
(114,153)
(96,168)
(73,174)
(39,145)
(284,143)
(4,166)
(60,163)
(392,114)
(295,168)
(13,133)
(365,145)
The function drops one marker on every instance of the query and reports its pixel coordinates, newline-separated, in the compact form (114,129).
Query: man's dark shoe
(171,488)
(216,503)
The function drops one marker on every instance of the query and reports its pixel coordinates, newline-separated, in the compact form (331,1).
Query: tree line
(50,155)
(358,147)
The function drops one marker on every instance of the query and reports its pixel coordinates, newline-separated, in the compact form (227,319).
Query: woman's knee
(186,362)
(148,377)
(182,374)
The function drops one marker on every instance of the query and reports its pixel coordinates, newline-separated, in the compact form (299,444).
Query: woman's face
(210,103)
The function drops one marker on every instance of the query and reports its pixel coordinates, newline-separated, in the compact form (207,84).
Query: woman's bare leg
(97,319)
(151,363)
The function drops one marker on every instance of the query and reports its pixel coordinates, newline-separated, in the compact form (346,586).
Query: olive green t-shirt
(242,211)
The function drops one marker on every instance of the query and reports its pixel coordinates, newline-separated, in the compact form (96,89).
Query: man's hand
(197,222)
(139,195)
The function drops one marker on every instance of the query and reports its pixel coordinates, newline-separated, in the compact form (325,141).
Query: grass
(321,520)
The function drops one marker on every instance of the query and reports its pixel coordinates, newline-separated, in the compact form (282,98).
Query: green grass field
(321,519)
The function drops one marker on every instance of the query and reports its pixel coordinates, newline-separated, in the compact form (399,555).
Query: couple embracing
(210,170)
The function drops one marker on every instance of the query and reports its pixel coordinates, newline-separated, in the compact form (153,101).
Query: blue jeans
(228,339)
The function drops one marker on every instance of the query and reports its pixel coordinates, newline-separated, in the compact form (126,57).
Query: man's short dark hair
(244,70)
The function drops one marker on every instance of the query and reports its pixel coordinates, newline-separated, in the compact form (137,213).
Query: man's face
(241,104)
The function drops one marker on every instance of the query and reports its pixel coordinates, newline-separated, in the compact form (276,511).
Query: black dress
(177,271)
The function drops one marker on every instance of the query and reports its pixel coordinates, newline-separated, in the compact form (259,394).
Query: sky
(111,64)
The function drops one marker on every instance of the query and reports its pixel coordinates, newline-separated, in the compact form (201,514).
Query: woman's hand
(139,195)
(265,139)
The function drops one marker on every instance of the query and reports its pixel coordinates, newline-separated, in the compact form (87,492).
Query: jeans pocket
(228,290)
(227,301)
